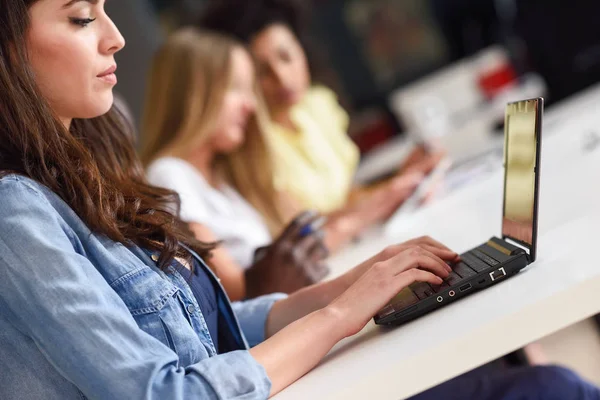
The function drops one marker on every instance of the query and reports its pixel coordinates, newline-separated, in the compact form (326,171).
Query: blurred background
(371,51)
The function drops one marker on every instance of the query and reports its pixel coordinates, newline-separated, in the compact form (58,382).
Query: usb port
(497,274)
(464,288)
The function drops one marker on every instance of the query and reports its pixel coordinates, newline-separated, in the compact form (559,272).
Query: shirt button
(191,309)
(154,257)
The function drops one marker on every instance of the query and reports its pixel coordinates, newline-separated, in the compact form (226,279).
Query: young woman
(101,292)
(314,159)
(200,100)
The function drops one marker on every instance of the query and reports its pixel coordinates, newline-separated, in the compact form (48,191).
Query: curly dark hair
(245,19)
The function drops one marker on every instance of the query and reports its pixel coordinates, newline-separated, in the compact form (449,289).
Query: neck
(203,159)
(283,117)
(66,122)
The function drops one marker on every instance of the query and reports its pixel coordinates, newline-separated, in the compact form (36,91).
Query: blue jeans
(527,383)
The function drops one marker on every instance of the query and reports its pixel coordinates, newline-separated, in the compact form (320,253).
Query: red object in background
(374,134)
(495,80)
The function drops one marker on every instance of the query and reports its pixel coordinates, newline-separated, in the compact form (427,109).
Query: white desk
(558,290)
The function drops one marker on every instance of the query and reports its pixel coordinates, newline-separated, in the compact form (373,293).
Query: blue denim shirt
(82,316)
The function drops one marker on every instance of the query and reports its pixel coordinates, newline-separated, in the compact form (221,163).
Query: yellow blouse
(315,164)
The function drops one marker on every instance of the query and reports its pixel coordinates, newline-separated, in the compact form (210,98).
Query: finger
(315,246)
(322,270)
(446,255)
(416,258)
(317,252)
(436,259)
(430,241)
(431,263)
(416,275)
(427,243)
(429,164)
(304,246)
(406,182)
(294,227)
(436,189)
(321,252)
(315,272)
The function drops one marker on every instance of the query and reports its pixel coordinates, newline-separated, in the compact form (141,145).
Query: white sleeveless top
(225,212)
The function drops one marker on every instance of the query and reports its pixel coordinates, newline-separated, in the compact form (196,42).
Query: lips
(109,76)
(287,95)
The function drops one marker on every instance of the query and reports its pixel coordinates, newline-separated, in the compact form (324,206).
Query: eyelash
(83,22)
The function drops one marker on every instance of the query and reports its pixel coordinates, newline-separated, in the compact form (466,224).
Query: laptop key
(494,253)
(453,278)
(487,259)
(422,290)
(439,288)
(464,270)
(474,262)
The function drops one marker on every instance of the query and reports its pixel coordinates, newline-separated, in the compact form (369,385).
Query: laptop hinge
(498,244)
(517,244)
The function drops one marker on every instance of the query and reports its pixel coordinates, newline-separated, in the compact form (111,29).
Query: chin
(286,103)
(95,109)
(234,146)
(236,139)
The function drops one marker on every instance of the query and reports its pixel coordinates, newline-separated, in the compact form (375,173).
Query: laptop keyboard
(472,263)
(475,263)
(464,270)
(422,290)
(484,257)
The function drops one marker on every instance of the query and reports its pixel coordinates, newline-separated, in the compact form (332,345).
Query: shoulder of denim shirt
(20,184)
(17,189)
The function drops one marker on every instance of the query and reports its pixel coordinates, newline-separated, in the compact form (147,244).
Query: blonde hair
(188,81)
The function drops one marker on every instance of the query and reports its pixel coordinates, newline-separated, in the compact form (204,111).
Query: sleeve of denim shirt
(57,298)
(252,315)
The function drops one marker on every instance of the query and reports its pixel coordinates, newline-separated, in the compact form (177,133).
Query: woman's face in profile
(282,66)
(239,103)
(71,46)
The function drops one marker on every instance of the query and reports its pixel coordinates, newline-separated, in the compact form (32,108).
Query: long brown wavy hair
(92,166)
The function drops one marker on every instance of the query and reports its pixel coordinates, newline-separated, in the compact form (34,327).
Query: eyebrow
(70,3)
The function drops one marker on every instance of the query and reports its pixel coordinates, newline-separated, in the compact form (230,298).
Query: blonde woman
(200,100)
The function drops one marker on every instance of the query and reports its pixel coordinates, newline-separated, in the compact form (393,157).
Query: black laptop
(499,258)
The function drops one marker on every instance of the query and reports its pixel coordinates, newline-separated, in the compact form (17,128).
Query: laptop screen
(521,148)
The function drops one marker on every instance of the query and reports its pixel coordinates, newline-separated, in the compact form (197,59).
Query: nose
(247,108)
(112,40)
(250,104)
(279,76)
